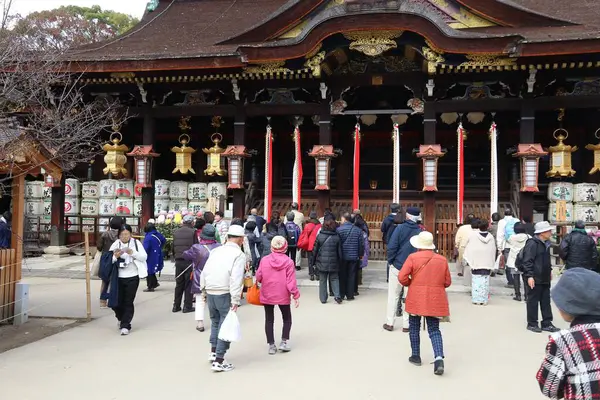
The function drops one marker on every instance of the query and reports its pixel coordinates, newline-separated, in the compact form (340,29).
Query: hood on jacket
(519,238)
(488,237)
(278,260)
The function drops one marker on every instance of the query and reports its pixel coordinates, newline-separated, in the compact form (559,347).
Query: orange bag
(253,295)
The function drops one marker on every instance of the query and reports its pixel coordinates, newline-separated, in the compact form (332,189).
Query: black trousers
(152,281)
(183,284)
(292,254)
(517,285)
(540,294)
(286,314)
(348,276)
(127,290)
(509,276)
(311,267)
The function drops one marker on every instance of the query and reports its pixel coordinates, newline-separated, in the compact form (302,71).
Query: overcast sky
(132,7)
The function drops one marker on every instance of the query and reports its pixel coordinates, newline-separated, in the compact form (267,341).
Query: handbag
(253,295)
(96,263)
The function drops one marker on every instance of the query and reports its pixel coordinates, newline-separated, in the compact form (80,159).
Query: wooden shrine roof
(191,34)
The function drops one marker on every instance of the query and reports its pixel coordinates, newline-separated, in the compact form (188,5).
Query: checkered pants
(433,327)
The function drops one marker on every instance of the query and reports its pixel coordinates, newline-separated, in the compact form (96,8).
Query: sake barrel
(585,193)
(34,207)
(34,190)
(47,192)
(107,207)
(177,205)
(103,224)
(46,223)
(216,189)
(197,191)
(137,191)
(32,224)
(137,207)
(560,191)
(161,189)
(88,224)
(178,190)
(124,207)
(47,210)
(125,189)
(90,190)
(161,205)
(197,206)
(587,213)
(108,188)
(72,205)
(552,213)
(72,224)
(71,187)
(90,207)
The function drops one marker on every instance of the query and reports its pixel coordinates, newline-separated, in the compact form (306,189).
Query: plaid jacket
(571,369)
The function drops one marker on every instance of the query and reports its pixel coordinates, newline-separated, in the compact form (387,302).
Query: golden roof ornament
(596,149)
(115,157)
(183,153)
(216,163)
(560,159)
(373,43)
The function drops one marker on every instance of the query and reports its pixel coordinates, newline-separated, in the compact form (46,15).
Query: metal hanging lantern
(215,163)
(235,155)
(115,158)
(143,156)
(596,149)
(530,162)
(430,154)
(560,159)
(323,155)
(183,153)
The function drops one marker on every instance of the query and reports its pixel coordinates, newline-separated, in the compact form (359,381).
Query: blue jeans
(433,327)
(218,307)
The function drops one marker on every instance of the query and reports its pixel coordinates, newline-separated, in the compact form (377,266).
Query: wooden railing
(9,275)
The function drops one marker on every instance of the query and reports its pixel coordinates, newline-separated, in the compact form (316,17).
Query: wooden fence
(10,274)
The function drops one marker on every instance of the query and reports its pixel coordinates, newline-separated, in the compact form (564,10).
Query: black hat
(414,211)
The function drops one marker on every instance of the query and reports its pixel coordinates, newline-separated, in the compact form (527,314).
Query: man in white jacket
(502,243)
(221,282)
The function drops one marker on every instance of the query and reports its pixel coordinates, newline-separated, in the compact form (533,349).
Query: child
(571,369)
(293,233)
(517,242)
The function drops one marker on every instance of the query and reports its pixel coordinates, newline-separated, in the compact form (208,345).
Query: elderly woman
(154,242)
(198,254)
(480,256)
(427,274)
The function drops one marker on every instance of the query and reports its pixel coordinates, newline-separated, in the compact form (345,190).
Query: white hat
(151,221)
(423,241)
(236,230)
(542,227)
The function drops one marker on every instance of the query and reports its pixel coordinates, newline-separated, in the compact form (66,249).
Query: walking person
(293,231)
(480,256)
(494,225)
(154,241)
(506,228)
(578,250)
(364,259)
(307,241)
(460,242)
(387,228)
(131,258)
(399,248)
(571,368)
(277,277)
(327,259)
(198,255)
(183,239)
(255,243)
(222,281)
(107,239)
(260,221)
(221,225)
(538,271)
(517,242)
(352,250)
(428,276)
(299,221)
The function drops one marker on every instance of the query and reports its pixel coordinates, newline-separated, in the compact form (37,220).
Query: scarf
(585,319)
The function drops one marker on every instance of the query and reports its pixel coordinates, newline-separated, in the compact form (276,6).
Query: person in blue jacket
(154,242)
(352,252)
(5,232)
(398,250)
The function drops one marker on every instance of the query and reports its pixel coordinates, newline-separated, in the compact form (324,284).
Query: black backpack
(519,259)
(292,239)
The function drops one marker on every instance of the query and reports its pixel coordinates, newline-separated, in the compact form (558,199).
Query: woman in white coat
(480,256)
(131,257)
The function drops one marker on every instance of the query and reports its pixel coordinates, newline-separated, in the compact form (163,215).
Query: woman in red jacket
(307,241)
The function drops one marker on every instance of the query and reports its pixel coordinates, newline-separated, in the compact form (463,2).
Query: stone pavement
(374,276)
(339,352)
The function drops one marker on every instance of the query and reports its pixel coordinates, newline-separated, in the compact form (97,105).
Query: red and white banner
(396,166)
(268,173)
(356,186)
(460,192)
(493,169)
(297,173)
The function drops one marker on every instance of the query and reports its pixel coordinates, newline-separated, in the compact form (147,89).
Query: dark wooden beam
(148,138)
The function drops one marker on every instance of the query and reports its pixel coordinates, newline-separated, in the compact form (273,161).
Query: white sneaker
(124,332)
(285,346)
(222,367)
(272,349)
(212,357)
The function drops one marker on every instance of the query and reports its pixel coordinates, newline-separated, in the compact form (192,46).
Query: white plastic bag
(230,329)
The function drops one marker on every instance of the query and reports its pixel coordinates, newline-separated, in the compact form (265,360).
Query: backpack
(519,259)
(291,230)
(509,228)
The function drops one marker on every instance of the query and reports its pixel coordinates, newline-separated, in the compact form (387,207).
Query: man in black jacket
(537,269)
(578,249)
(352,251)
(387,227)
(183,239)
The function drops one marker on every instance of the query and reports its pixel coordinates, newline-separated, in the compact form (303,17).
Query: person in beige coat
(460,241)
(480,257)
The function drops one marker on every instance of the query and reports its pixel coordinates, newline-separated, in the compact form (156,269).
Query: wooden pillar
(324,196)
(429,210)
(239,138)
(527,136)
(57,218)
(148,138)
(18,220)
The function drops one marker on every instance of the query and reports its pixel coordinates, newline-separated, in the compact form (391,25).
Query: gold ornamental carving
(560,156)
(275,67)
(373,43)
(433,59)
(183,153)
(314,64)
(488,60)
(115,158)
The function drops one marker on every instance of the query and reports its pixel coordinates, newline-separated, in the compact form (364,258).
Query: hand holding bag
(230,329)
(253,295)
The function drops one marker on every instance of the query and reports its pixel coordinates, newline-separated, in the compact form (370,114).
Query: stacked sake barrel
(34,205)
(90,205)
(586,198)
(72,205)
(161,196)
(560,191)
(197,195)
(116,198)
(178,195)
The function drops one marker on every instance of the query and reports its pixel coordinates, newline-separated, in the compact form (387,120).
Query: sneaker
(200,326)
(212,357)
(188,310)
(312,277)
(124,331)
(149,290)
(272,349)
(338,300)
(388,328)
(517,297)
(534,328)
(285,346)
(176,309)
(415,360)
(438,367)
(550,328)
(222,367)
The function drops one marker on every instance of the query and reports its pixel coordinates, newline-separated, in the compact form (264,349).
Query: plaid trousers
(433,327)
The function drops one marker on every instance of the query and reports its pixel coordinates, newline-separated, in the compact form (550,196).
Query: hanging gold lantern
(216,163)
(560,160)
(596,149)
(115,157)
(183,153)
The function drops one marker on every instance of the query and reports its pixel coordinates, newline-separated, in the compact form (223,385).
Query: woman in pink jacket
(277,276)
